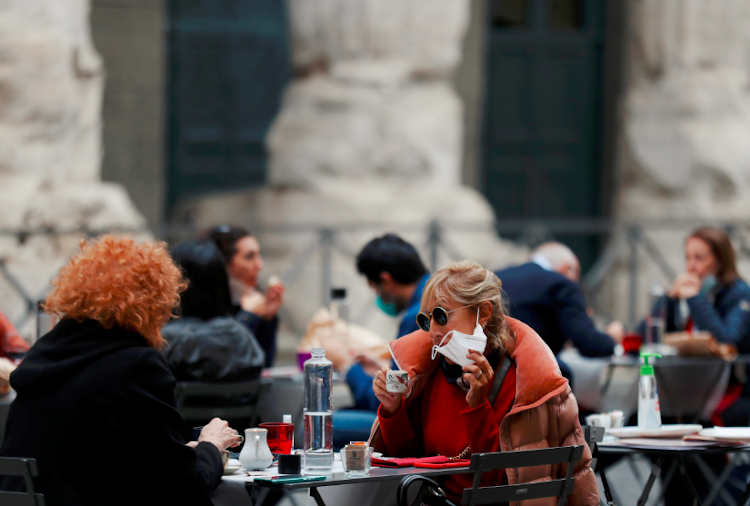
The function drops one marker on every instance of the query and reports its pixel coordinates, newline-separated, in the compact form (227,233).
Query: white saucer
(666,431)
(728,433)
(231,469)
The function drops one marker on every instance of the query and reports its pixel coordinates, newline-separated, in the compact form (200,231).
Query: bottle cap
(648,370)
(287,418)
(318,352)
(338,293)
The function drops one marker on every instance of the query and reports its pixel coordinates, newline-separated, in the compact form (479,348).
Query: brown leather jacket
(544,413)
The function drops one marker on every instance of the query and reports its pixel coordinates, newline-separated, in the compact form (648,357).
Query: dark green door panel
(543,112)
(228,64)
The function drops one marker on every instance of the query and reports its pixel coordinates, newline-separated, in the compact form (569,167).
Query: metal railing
(625,242)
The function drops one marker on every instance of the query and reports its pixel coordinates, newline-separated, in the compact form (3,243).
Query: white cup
(397,381)
(599,420)
(616,419)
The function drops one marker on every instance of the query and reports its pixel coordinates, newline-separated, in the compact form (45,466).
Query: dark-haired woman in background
(258,311)
(711,296)
(207,343)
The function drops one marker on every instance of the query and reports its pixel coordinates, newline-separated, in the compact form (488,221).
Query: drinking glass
(280,436)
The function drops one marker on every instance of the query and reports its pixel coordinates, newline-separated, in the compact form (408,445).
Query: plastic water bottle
(649,411)
(657,316)
(318,413)
(339,304)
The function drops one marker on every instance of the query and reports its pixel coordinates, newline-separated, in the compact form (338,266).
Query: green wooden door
(229,61)
(543,112)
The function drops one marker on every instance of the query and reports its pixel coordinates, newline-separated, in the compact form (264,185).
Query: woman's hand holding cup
(390,401)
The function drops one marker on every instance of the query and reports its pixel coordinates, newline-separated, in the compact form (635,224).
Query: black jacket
(264,331)
(96,408)
(218,350)
(554,307)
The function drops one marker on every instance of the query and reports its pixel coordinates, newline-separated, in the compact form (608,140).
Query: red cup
(280,436)
(631,343)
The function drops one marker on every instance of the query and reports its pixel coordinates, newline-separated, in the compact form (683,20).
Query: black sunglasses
(439,314)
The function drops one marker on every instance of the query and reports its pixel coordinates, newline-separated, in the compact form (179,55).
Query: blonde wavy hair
(467,283)
(117,282)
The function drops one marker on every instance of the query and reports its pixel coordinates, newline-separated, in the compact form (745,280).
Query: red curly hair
(117,282)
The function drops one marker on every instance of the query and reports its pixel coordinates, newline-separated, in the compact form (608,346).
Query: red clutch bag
(439,461)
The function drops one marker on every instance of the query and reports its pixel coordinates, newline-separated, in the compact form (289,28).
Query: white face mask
(458,347)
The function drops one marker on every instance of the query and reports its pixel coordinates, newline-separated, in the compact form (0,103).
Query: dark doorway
(543,114)
(228,63)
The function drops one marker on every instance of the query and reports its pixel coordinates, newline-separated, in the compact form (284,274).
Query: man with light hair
(544,294)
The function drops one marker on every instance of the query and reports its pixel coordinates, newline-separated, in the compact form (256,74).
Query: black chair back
(484,462)
(27,469)
(200,402)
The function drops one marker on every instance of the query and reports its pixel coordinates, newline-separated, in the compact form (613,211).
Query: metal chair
(229,401)
(26,468)
(486,462)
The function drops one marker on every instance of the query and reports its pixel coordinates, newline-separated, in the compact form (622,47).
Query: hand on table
(390,401)
(220,434)
(685,286)
(479,376)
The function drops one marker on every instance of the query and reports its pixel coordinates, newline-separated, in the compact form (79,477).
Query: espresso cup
(397,381)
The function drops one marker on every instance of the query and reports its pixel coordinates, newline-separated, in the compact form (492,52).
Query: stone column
(51,82)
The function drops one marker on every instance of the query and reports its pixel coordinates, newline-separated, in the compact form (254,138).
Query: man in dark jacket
(397,275)
(545,295)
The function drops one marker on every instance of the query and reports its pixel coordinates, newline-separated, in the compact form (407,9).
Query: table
(690,388)
(679,451)
(376,489)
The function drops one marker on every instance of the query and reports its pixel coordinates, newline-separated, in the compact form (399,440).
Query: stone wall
(51,82)
(684,154)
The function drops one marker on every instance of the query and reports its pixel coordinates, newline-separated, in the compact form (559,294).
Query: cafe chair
(26,468)
(486,462)
(235,402)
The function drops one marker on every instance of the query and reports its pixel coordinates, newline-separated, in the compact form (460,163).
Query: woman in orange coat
(448,409)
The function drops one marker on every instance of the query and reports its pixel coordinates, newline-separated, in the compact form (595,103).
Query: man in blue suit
(545,295)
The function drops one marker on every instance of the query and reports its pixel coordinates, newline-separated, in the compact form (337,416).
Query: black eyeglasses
(439,314)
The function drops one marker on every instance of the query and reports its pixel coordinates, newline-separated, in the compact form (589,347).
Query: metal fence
(625,242)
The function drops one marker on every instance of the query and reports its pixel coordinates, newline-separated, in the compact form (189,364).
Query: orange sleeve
(10,340)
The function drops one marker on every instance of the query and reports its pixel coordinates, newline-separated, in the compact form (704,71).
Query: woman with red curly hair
(98,382)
